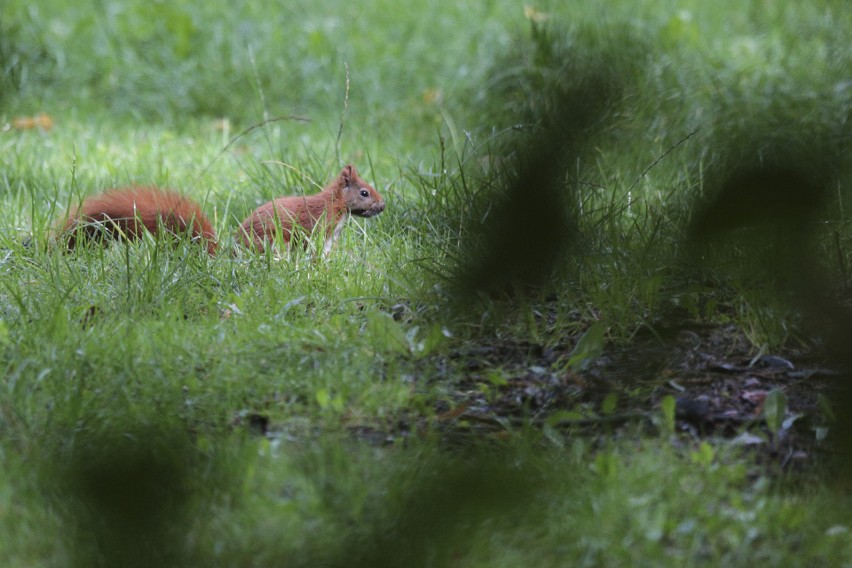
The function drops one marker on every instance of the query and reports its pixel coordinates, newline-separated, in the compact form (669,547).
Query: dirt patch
(720,383)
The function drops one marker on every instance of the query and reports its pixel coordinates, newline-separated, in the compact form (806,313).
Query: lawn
(602,320)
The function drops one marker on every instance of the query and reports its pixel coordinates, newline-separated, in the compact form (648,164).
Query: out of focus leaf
(774,409)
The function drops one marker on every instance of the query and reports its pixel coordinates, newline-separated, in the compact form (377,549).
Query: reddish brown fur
(126,213)
(345,194)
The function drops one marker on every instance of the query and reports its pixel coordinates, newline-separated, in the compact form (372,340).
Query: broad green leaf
(386,333)
(609,404)
(434,336)
(564,416)
(497,378)
(774,409)
(588,348)
(703,455)
(323,398)
(668,407)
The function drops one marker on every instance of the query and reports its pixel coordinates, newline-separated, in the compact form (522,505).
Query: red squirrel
(125,213)
(344,195)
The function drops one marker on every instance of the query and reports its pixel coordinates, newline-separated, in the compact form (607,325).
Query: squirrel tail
(125,214)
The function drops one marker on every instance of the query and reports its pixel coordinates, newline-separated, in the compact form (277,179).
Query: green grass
(136,376)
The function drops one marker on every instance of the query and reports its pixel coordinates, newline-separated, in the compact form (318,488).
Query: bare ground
(719,380)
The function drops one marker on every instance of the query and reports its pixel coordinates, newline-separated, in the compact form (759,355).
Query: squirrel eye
(365,193)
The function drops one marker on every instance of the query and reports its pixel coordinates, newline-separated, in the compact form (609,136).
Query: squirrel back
(126,213)
(346,194)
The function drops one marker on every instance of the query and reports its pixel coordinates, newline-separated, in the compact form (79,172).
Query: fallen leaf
(534,15)
(754,396)
(746,439)
(773,362)
(727,368)
(788,422)
(453,413)
(41,120)
(692,410)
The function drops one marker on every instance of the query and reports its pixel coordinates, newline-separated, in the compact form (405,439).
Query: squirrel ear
(348,174)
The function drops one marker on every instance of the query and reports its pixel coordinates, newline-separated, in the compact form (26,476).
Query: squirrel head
(360,198)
